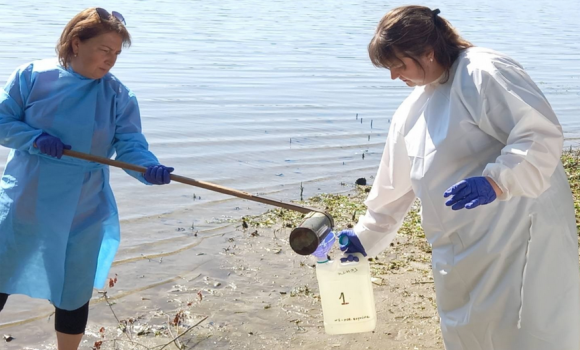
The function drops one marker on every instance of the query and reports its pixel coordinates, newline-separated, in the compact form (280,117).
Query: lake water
(264,96)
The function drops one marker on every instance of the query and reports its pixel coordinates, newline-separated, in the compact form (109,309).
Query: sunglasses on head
(105,15)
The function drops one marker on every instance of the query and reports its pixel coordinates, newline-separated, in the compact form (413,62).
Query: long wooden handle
(192,182)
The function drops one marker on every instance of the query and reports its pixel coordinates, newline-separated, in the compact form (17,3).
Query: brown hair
(411,31)
(85,25)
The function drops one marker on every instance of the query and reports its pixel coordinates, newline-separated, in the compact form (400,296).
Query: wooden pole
(192,182)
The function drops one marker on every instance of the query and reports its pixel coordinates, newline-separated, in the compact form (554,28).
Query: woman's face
(413,74)
(93,58)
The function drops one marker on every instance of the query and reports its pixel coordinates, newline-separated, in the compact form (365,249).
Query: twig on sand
(175,341)
(115,315)
(182,334)
(115,341)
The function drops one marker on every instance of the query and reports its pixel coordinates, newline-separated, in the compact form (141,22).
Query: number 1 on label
(342,297)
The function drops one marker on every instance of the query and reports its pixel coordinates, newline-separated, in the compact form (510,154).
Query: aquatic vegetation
(571,162)
(346,208)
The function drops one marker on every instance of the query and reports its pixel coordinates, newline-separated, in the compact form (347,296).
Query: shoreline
(257,293)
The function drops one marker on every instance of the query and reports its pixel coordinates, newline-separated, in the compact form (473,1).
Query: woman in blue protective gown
(59,225)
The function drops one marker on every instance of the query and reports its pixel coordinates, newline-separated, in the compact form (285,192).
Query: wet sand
(256,293)
(244,288)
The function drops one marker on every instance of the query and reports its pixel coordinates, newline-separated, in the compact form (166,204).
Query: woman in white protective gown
(478,143)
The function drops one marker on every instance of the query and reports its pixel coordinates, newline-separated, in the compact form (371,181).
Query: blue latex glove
(50,145)
(158,174)
(349,243)
(324,247)
(349,258)
(470,193)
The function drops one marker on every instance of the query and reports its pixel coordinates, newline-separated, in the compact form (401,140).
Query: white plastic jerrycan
(346,292)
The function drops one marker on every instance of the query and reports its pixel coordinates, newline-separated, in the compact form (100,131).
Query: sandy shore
(256,293)
(246,289)
(268,298)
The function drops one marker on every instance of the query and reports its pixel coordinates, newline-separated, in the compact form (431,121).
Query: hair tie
(435,12)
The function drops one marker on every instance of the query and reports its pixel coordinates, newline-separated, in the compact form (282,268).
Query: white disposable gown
(59,226)
(506,274)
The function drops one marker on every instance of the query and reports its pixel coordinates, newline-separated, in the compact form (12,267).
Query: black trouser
(67,322)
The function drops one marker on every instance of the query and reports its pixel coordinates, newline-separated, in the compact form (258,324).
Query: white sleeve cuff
(372,241)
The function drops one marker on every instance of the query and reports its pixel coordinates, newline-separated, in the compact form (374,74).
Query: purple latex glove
(50,145)
(158,174)
(349,243)
(470,193)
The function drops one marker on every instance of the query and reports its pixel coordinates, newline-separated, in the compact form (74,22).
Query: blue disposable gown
(59,225)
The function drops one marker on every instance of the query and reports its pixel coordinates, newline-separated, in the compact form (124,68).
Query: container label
(352,270)
(350,319)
